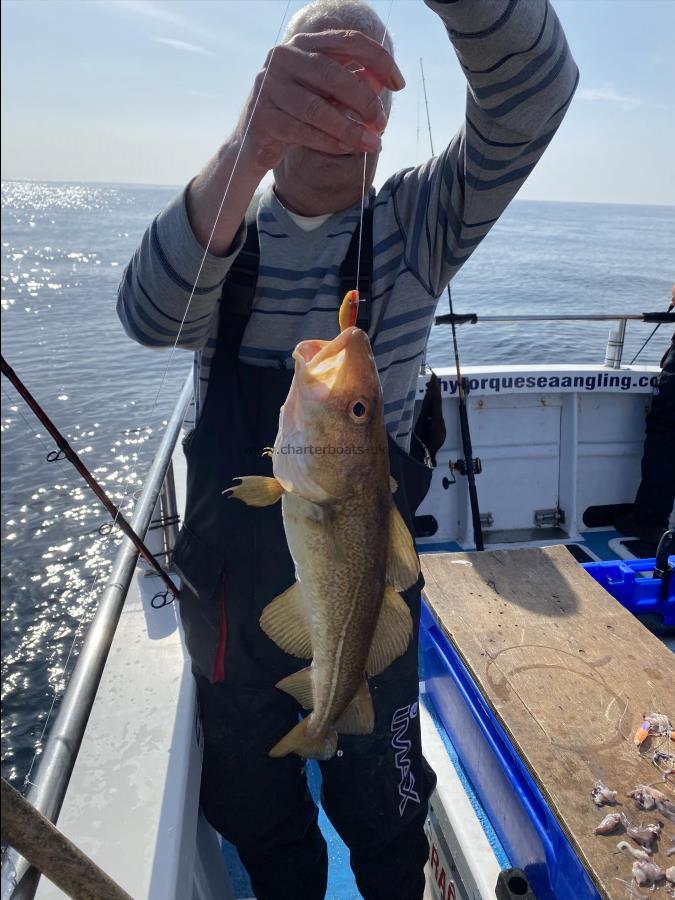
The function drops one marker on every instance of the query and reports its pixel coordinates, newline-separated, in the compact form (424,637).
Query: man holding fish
(300,604)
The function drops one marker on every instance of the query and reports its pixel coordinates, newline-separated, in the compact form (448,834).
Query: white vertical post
(614,349)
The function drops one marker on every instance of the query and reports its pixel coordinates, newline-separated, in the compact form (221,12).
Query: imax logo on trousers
(400,723)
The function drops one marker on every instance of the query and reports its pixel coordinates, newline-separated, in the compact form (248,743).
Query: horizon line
(179,187)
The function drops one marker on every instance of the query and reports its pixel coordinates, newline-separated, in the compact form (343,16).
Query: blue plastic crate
(638,592)
(520,815)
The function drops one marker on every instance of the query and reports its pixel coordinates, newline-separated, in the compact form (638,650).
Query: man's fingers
(312,109)
(291,131)
(322,75)
(354,45)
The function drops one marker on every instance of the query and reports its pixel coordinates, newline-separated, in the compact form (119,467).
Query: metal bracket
(456,319)
(549,518)
(487,520)
(460,466)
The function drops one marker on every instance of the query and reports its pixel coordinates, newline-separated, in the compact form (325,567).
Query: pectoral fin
(359,717)
(286,621)
(299,685)
(301,741)
(255,490)
(392,633)
(403,567)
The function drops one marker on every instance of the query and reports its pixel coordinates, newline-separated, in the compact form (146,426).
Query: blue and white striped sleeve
(153,296)
(521,79)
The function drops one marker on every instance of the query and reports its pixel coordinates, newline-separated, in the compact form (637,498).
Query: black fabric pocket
(200,566)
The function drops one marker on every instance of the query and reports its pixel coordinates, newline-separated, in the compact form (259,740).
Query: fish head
(331,427)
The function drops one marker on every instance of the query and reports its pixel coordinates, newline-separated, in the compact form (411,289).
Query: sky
(145,91)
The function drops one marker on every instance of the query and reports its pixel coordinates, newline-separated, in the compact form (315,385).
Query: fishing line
(215,223)
(222,203)
(365,164)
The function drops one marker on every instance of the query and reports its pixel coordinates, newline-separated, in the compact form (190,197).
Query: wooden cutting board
(570,675)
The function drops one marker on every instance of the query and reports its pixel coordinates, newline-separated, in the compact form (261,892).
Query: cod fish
(352,551)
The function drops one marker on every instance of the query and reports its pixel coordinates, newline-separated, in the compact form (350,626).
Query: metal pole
(614,349)
(66,866)
(473,319)
(46,794)
(170,516)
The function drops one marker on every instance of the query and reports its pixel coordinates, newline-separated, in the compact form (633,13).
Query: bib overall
(234,560)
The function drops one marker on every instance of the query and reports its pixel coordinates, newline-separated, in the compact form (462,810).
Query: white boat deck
(133,800)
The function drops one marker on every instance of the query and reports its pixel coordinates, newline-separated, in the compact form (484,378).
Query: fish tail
(300,740)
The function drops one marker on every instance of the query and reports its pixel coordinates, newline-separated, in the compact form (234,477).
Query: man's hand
(307,94)
(306,100)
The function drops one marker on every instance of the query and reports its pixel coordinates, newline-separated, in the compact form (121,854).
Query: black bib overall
(234,560)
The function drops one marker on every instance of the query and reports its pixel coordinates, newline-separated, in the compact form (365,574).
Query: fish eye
(358,410)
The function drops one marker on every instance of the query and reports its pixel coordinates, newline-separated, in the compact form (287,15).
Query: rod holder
(614,349)
(512,884)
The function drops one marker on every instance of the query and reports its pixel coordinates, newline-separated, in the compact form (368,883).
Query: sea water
(64,248)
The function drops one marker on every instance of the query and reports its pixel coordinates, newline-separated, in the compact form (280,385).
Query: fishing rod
(653,332)
(470,466)
(65,450)
(426,104)
(473,319)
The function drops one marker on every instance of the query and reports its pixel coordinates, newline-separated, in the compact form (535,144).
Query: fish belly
(340,562)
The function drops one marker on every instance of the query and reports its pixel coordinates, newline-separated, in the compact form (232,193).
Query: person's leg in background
(655,496)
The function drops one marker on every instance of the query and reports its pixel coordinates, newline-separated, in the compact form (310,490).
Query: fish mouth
(314,355)
(322,363)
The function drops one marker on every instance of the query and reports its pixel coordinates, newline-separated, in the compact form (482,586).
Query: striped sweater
(426,220)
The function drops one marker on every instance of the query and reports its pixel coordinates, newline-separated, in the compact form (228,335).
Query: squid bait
(641,855)
(609,824)
(644,835)
(647,798)
(601,794)
(647,872)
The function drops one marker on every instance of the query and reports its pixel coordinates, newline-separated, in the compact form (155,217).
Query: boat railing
(48,786)
(615,339)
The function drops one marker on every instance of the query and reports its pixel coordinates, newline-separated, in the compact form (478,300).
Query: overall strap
(240,284)
(239,288)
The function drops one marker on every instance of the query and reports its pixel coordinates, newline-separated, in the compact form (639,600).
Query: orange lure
(349,310)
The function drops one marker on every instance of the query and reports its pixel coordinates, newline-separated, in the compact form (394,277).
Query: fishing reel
(461,467)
